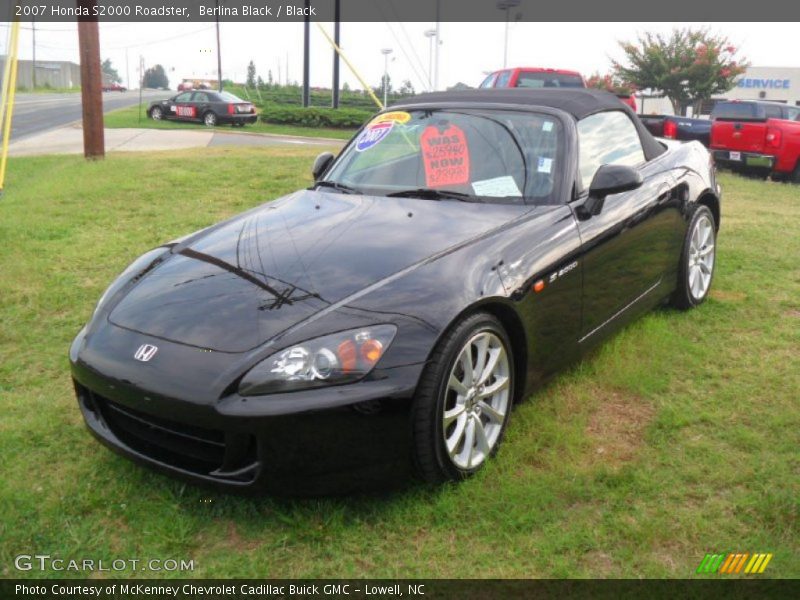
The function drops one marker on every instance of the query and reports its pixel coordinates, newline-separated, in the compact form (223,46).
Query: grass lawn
(129,117)
(679,437)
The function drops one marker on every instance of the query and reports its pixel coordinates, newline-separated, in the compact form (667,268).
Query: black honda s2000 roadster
(460,249)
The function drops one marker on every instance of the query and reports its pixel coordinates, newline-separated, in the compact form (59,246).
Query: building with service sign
(776,84)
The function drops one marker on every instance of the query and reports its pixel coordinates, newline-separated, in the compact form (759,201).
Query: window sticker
(499,187)
(397,116)
(545,165)
(547,126)
(445,156)
(373,134)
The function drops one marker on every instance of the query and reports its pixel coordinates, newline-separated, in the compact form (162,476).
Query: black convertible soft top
(578,102)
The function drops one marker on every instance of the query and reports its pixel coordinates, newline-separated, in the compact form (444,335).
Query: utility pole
(430,34)
(91,84)
(306,57)
(219,53)
(336,26)
(33,70)
(436,47)
(127,71)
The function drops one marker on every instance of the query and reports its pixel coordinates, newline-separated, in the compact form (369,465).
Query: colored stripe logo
(734,562)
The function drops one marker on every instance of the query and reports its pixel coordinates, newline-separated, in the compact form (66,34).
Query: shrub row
(344,118)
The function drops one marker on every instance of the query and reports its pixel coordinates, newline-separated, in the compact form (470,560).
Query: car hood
(247,280)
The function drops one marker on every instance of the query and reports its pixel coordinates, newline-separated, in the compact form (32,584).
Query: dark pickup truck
(757,137)
(678,128)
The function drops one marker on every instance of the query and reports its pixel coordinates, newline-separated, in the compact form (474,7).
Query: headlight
(136,267)
(330,360)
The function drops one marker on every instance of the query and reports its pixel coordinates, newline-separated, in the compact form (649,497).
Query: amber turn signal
(371,351)
(538,286)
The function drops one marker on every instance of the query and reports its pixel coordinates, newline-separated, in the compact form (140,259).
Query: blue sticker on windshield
(373,134)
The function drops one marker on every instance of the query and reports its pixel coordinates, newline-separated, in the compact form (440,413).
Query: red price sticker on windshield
(445,155)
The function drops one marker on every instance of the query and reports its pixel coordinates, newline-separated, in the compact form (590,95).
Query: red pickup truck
(759,137)
(537,77)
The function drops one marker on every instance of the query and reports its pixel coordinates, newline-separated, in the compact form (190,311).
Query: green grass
(129,117)
(678,437)
(48,90)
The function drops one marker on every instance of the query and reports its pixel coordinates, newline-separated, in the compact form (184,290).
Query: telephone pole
(91,84)
(219,53)
(33,70)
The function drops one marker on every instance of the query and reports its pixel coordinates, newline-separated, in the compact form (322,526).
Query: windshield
(480,155)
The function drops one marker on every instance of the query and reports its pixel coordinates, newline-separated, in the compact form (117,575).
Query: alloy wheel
(210,119)
(156,114)
(476,401)
(701,257)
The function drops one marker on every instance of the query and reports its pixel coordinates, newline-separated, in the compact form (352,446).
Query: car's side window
(607,138)
(183,97)
(489,81)
(200,97)
(502,79)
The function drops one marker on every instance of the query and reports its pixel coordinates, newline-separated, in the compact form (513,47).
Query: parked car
(462,248)
(211,108)
(537,77)
(114,87)
(678,128)
(759,137)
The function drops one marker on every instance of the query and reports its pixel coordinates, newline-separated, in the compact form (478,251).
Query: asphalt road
(35,113)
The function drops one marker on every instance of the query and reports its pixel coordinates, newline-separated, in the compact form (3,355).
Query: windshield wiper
(339,187)
(433,194)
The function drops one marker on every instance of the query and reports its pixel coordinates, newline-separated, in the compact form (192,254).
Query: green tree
(610,83)
(110,73)
(251,74)
(407,88)
(688,66)
(155,77)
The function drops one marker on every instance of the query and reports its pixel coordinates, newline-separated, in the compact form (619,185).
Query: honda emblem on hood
(145,352)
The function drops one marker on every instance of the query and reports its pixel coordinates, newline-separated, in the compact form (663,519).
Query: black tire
(156,113)
(210,119)
(795,177)
(684,298)
(431,457)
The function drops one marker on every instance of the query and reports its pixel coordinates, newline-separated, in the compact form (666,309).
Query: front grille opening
(231,456)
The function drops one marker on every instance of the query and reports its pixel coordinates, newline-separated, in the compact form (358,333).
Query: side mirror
(321,164)
(609,179)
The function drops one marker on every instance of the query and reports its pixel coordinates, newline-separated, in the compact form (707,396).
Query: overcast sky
(467,49)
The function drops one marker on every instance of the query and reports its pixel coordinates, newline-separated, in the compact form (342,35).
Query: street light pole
(430,34)
(386,52)
(219,53)
(436,47)
(506,5)
(33,71)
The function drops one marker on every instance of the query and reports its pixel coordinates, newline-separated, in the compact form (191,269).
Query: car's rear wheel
(698,260)
(156,114)
(464,400)
(210,119)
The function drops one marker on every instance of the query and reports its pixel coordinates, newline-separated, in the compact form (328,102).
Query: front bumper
(323,441)
(744,160)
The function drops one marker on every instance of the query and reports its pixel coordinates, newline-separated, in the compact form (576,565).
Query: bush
(342,118)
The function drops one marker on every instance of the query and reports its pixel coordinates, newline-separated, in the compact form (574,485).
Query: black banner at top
(398,10)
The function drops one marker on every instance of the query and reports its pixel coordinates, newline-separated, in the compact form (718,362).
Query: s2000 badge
(373,134)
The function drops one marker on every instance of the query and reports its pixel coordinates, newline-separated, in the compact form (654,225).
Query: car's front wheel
(464,400)
(156,114)
(210,119)
(698,260)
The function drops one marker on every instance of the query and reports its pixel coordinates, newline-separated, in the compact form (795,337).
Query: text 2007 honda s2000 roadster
(461,248)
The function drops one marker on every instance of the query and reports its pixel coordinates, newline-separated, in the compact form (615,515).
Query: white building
(778,84)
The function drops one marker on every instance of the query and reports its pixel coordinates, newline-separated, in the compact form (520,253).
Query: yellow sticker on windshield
(397,116)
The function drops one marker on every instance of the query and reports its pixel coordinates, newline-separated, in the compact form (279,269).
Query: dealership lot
(678,438)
